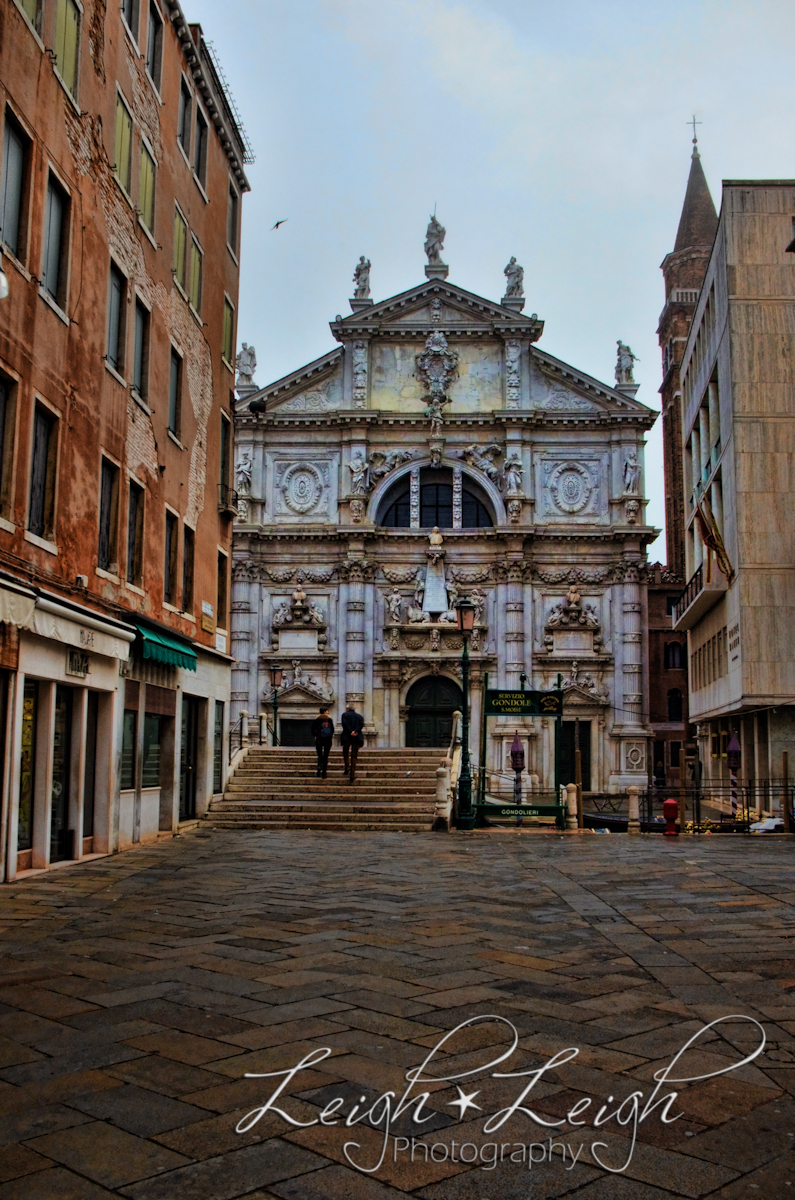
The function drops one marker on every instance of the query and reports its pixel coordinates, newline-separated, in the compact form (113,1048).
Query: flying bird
(278,223)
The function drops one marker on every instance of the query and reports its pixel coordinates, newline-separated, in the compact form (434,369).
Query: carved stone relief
(559,398)
(513,373)
(302,488)
(571,487)
(359,374)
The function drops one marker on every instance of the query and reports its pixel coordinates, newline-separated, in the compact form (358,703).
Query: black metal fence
(260,733)
(722,807)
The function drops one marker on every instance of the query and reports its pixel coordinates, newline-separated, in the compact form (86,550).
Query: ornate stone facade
(523,468)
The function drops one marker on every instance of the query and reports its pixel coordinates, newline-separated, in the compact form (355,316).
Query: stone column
(632,639)
(354,635)
(714,413)
(475,711)
(514,627)
(703,429)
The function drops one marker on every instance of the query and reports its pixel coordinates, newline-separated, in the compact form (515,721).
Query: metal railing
(694,586)
(723,807)
(227,498)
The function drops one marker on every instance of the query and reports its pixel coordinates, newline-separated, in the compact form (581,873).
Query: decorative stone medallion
(635,756)
(302,488)
(570,487)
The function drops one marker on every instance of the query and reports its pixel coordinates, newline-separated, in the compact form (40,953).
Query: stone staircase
(395,790)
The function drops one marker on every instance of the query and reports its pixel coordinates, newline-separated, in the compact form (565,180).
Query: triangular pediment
(317,387)
(436,303)
(564,392)
(302,693)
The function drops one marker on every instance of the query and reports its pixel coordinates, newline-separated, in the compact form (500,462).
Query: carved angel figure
(556,616)
(316,615)
(246,363)
(515,276)
(359,468)
(452,596)
(512,474)
(434,241)
(361,277)
(393,602)
(483,459)
(282,616)
(590,619)
(381,464)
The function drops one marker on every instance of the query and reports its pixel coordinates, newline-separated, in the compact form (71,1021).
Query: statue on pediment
(625,361)
(246,364)
(361,277)
(515,277)
(434,241)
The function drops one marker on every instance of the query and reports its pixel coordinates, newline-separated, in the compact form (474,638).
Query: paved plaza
(138,991)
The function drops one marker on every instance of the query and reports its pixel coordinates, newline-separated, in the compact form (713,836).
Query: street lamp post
(276,681)
(465,615)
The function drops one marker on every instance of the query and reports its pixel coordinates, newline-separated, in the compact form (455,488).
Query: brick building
(120,198)
(683,271)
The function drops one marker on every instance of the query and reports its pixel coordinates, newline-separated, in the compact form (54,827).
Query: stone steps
(279,789)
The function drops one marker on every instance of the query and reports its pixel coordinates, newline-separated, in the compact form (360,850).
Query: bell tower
(683,270)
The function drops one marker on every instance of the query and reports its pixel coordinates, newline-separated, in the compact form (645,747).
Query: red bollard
(671,812)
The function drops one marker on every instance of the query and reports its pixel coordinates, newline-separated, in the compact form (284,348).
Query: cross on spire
(694,122)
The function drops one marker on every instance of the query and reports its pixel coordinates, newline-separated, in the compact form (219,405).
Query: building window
(150,773)
(436,508)
(32,11)
(674,748)
(673,656)
(67,26)
(188,541)
(174,390)
(41,506)
(184,122)
(27,767)
(228,341)
(675,708)
(128,739)
(218,748)
(180,247)
(135,534)
(122,145)
(12,195)
(220,616)
(170,560)
(141,350)
(200,148)
(107,558)
(226,450)
(670,605)
(154,45)
(129,10)
(146,189)
(117,292)
(53,274)
(7,407)
(232,218)
(195,292)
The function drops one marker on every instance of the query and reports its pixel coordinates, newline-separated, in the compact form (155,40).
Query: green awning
(164,649)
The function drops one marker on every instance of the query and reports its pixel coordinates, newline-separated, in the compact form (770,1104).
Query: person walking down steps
(323,733)
(352,740)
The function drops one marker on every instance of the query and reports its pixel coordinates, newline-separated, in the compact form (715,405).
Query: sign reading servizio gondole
(532,704)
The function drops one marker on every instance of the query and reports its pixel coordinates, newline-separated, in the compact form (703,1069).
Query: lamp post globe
(465,617)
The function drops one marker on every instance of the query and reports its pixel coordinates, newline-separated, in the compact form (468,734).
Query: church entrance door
(432,702)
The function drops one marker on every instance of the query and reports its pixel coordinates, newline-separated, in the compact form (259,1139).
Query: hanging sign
(520,704)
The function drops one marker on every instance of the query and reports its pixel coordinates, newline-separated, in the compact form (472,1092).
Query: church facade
(438,452)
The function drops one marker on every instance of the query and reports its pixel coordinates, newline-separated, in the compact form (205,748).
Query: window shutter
(105,498)
(115,300)
(13,168)
(52,240)
(42,430)
(138,353)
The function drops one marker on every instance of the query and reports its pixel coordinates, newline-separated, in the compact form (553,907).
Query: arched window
(673,656)
(675,710)
(436,504)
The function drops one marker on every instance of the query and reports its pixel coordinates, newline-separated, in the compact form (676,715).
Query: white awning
(16,608)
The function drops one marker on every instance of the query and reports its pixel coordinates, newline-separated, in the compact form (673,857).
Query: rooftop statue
(246,363)
(361,277)
(625,361)
(515,276)
(434,241)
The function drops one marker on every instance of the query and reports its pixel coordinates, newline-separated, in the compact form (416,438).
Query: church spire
(699,221)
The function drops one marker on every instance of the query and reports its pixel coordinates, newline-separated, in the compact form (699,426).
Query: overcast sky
(553,130)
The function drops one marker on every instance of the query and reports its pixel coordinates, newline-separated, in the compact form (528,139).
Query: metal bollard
(671,812)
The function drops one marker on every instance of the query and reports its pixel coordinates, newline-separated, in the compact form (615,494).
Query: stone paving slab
(138,990)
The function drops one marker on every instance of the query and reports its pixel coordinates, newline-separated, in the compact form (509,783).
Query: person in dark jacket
(352,740)
(323,733)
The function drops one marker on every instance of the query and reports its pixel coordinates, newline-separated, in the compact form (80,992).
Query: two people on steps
(352,740)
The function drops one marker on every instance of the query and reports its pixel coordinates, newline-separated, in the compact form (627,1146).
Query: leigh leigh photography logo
(605,1131)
